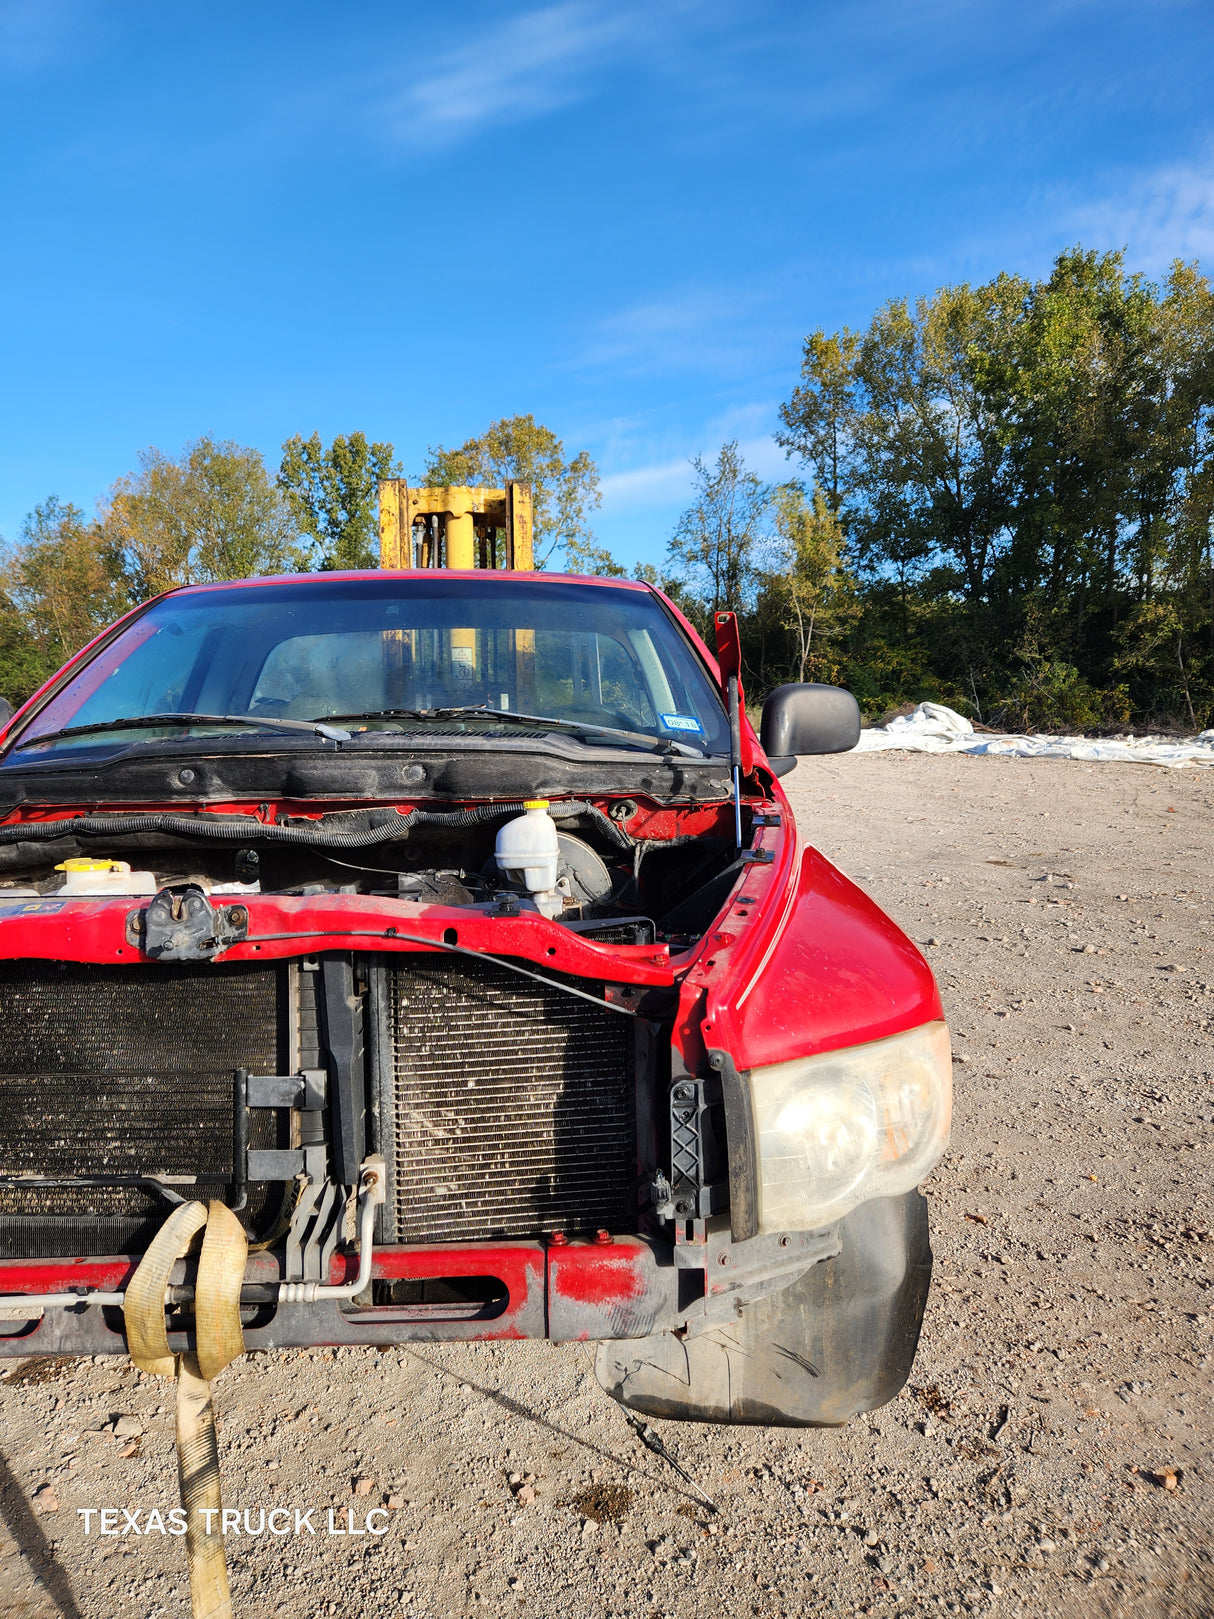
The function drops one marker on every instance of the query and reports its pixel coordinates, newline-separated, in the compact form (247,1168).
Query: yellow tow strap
(219,1339)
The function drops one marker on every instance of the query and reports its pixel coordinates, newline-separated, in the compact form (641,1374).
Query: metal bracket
(697,1186)
(303,1093)
(731,1264)
(181,924)
(757,857)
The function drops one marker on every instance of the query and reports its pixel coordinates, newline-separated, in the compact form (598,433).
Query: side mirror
(807,719)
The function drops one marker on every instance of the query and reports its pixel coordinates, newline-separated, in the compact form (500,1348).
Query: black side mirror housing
(807,718)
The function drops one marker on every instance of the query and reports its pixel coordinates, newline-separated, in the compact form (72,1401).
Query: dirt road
(1054,1453)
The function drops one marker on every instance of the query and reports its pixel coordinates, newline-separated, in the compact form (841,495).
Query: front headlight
(835,1130)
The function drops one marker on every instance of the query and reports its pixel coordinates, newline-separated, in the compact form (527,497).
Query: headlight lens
(835,1130)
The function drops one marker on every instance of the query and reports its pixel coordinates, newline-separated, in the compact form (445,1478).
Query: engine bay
(624,871)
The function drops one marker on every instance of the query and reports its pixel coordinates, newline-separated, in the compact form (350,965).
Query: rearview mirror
(807,718)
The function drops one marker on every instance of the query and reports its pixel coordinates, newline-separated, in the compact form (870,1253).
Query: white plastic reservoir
(97,877)
(527,850)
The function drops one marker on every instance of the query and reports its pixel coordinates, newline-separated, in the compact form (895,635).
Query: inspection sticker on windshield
(682,722)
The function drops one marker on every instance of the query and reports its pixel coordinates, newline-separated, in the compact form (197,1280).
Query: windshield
(315,649)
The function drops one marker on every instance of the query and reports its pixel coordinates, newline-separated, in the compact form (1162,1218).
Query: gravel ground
(1052,1455)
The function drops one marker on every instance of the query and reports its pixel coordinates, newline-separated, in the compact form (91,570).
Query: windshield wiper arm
(634,738)
(141,721)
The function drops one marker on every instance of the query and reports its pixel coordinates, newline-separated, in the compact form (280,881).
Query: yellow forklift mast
(455,527)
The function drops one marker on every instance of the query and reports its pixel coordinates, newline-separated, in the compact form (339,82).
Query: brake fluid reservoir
(527,848)
(96,877)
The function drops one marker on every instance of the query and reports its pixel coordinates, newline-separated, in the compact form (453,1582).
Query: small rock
(128,1428)
(363,1486)
(872,1538)
(130,1449)
(885,1565)
(526,1494)
(396,1502)
(272,1467)
(47,1498)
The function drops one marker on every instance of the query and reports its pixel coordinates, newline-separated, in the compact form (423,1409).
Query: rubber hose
(393,827)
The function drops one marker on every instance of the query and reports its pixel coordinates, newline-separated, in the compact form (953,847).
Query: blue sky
(264,218)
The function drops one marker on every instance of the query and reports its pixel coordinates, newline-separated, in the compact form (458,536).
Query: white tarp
(932,728)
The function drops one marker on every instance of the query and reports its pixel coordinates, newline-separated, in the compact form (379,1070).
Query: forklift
(456,527)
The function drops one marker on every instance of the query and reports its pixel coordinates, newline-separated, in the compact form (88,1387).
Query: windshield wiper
(636,739)
(140,721)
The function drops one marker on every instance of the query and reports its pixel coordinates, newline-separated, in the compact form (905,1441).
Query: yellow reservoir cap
(535,803)
(91,866)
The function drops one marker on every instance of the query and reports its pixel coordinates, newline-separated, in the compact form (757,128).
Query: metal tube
(11,1304)
(309,1292)
(735,756)
(372,1194)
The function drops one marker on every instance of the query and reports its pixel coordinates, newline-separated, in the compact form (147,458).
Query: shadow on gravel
(27,1532)
(517,1409)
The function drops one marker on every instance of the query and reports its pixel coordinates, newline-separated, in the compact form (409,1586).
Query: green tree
(520,449)
(333,495)
(61,584)
(820,419)
(211,512)
(1080,400)
(811,592)
(1021,470)
(716,549)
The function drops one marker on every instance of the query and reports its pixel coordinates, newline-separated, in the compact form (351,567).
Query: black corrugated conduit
(361,830)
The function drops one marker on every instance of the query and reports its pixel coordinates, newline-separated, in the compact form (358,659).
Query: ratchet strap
(219,1339)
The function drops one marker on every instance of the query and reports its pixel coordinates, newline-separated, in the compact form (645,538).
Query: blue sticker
(30,907)
(681,722)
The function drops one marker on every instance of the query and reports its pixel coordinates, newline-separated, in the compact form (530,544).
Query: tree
(333,495)
(717,541)
(811,591)
(209,513)
(60,585)
(820,418)
(1081,394)
(520,449)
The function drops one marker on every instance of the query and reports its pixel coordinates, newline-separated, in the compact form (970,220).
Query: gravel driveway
(1052,1455)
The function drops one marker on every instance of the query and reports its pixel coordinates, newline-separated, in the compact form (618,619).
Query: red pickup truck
(453,930)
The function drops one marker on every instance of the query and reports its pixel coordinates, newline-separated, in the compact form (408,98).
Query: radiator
(121,1072)
(512,1106)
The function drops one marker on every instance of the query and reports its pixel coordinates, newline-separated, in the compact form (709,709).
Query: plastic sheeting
(932,728)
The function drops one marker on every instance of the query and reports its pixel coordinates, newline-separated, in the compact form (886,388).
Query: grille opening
(509,1106)
(482,1291)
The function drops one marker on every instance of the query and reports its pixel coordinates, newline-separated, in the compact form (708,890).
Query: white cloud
(655,485)
(663,484)
(1161,216)
(530,65)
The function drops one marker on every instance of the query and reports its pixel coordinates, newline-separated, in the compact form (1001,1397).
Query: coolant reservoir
(527,848)
(103,877)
